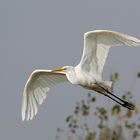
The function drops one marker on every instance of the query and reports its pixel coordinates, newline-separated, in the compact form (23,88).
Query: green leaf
(93,99)
(68,118)
(138,74)
(116,109)
(115,77)
(138,126)
(135,134)
(129,114)
(91,136)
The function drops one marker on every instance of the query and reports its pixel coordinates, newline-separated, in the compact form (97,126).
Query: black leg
(119,101)
(124,103)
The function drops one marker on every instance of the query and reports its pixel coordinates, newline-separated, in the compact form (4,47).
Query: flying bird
(87,74)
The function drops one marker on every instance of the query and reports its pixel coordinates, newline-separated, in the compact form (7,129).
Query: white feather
(35,91)
(96,48)
(88,73)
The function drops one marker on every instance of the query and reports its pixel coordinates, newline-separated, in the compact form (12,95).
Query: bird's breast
(94,87)
(87,82)
(86,79)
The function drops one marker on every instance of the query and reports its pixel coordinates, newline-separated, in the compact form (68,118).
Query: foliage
(91,122)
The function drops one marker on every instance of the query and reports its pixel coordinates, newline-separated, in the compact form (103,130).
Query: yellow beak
(58,70)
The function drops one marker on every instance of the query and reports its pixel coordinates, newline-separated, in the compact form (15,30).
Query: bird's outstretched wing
(96,47)
(36,88)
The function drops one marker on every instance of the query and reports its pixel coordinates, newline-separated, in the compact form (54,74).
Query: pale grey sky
(45,34)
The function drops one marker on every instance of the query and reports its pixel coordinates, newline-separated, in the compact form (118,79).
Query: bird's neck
(72,77)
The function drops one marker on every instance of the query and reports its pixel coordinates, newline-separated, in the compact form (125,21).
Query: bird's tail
(110,85)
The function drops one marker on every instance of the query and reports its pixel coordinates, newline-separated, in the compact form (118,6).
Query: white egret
(88,73)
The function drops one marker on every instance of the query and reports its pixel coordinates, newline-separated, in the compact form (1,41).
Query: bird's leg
(119,100)
(122,104)
(125,103)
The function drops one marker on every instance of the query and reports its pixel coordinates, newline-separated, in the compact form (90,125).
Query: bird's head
(69,71)
(63,69)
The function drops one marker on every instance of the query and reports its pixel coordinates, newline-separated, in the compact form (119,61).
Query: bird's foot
(128,105)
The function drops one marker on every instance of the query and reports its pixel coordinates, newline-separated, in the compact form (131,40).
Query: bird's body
(88,81)
(88,73)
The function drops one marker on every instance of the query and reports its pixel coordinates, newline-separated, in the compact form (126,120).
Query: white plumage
(36,88)
(88,73)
